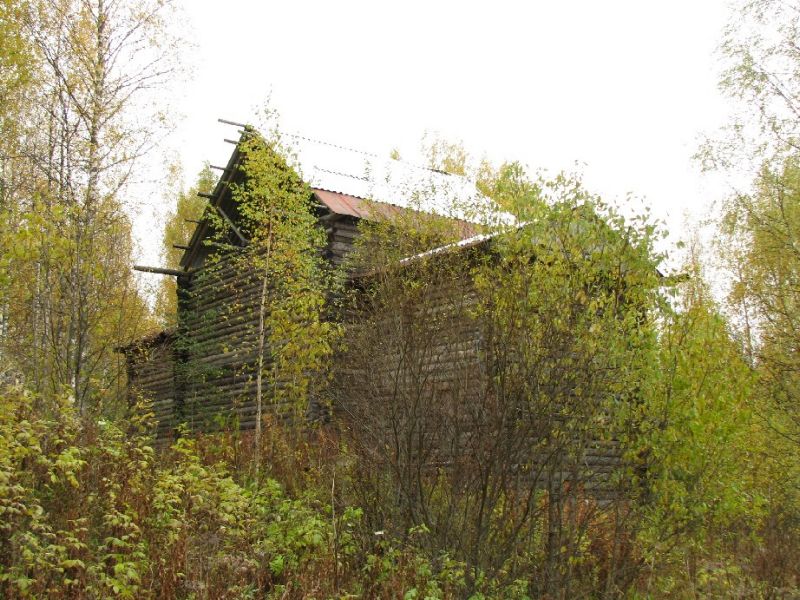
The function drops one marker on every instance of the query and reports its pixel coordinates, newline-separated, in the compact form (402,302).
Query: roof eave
(222,187)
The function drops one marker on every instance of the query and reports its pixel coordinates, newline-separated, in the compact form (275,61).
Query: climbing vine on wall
(253,338)
(285,251)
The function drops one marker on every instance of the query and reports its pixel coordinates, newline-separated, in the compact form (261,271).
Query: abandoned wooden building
(220,386)
(205,381)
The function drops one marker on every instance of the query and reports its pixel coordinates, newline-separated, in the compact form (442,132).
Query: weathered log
(159,270)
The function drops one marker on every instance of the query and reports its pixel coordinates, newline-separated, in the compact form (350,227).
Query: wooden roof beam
(160,270)
(225,217)
(234,123)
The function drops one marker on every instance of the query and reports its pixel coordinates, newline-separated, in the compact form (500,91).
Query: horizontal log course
(222,301)
(428,352)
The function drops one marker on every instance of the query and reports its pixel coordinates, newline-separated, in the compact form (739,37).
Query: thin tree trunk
(554,532)
(262,334)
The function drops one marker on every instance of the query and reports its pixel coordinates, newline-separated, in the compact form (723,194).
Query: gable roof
(387,181)
(349,182)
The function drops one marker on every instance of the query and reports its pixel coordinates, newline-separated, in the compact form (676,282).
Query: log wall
(425,364)
(219,346)
(151,376)
(342,233)
(418,386)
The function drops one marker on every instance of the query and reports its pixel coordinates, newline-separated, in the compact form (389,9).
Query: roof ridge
(408,163)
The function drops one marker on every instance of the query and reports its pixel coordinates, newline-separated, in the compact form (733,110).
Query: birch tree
(180,225)
(89,122)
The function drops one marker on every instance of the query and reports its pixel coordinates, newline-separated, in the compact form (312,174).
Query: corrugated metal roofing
(356,174)
(344,204)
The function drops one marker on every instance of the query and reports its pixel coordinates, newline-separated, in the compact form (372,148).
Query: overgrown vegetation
(538,412)
(486,389)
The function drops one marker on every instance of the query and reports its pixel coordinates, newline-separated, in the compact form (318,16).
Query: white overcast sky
(626,88)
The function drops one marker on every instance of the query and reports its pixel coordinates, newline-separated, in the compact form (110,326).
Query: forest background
(91,509)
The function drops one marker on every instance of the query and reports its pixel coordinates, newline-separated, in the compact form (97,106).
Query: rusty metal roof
(361,208)
(353,174)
